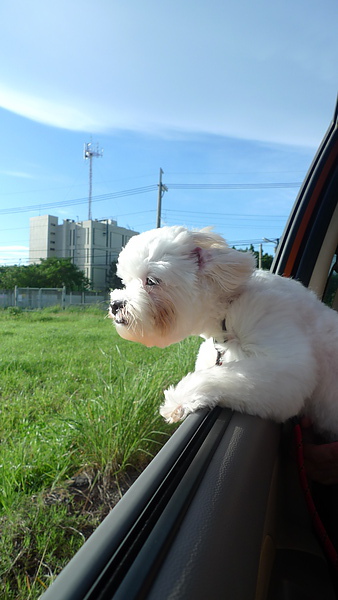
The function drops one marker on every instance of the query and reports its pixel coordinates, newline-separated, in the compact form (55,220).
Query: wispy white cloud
(18,174)
(49,111)
(235,69)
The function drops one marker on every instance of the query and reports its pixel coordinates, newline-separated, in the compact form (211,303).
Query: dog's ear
(227,267)
(201,255)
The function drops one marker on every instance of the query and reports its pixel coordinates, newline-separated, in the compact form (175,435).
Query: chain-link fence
(33,298)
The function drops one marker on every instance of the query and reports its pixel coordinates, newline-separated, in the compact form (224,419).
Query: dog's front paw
(173,409)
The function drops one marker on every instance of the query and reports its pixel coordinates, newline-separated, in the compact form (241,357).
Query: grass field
(78,410)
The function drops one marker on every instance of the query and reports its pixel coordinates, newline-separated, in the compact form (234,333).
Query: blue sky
(218,92)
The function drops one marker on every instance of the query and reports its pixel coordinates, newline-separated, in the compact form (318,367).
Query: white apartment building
(92,245)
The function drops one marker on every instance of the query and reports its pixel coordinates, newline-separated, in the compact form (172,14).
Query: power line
(190,213)
(102,252)
(232,186)
(77,201)
(221,214)
(235,220)
(238,243)
(151,188)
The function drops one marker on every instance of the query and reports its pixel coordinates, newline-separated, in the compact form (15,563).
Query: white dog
(271,346)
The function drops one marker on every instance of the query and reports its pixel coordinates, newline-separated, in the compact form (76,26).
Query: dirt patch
(91,494)
(41,538)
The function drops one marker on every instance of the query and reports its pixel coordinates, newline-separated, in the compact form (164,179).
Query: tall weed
(74,397)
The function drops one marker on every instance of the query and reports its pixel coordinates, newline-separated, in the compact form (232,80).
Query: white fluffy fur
(280,347)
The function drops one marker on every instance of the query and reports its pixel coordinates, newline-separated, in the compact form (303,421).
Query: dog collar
(220,353)
(225,339)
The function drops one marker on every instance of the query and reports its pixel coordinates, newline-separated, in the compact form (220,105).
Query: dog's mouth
(120,319)
(117,311)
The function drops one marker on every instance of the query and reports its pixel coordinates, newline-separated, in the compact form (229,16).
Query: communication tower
(88,154)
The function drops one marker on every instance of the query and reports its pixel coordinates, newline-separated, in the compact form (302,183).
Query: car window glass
(330,296)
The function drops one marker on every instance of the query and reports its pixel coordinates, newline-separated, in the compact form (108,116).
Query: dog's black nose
(116,305)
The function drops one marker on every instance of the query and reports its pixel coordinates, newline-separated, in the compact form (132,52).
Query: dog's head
(175,279)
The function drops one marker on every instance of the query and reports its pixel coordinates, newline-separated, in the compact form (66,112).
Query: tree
(62,272)
(114,282)
(266,258)
(331,288)
(22,276)
(50,272)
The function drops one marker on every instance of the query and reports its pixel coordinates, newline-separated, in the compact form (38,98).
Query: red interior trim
(288,271)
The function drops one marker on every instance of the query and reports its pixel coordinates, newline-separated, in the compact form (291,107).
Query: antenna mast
(89,154)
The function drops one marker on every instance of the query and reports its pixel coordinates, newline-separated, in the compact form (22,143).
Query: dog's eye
(152,281)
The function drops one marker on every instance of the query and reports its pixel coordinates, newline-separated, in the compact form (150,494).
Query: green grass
(74,398)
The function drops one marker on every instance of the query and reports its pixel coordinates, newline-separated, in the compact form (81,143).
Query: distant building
(92,245)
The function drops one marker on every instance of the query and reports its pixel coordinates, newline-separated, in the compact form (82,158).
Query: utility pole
(274,241)
(89,154)
(161,189)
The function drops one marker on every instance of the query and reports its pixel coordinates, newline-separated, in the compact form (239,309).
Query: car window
(330,296)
